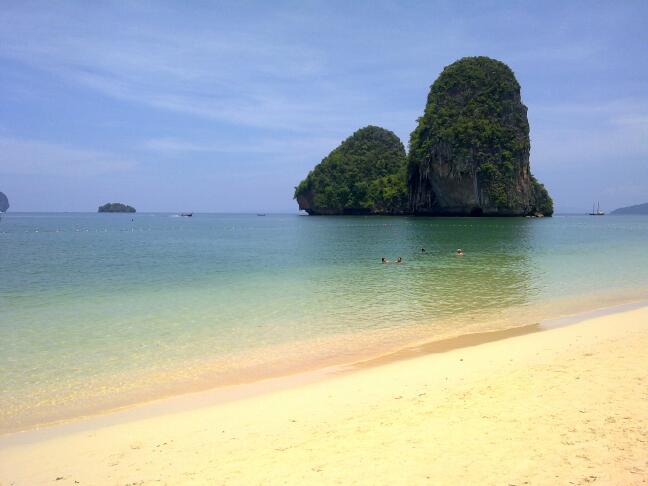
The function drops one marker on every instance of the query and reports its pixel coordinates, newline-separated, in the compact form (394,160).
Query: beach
(254,243)
(567,405)
(103,311)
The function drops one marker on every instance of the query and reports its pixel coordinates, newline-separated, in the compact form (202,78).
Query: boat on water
(186,215)
(598,211)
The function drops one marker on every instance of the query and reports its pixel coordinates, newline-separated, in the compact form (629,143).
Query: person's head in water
(459,252)
(422,250)
(384,260)
(399,260)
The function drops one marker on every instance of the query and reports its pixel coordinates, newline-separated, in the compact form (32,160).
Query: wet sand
(566,405)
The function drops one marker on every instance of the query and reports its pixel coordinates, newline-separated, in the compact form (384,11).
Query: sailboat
(598,211)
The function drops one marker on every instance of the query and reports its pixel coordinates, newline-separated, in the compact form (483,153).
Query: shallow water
(99,310)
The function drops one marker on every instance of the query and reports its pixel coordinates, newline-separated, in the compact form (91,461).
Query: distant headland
(636,209)
(4,202)
(468,156)
(116,208)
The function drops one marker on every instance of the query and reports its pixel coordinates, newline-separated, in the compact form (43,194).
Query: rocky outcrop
(469,154)
(116,208)
(365,174)
(4,202)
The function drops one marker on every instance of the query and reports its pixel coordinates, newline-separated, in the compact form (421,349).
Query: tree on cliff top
(366,172)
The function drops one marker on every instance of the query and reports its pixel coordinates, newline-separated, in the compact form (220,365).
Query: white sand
(565,406)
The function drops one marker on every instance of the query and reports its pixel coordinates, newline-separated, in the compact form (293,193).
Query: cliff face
(365,174)
(469,154)
(4,202)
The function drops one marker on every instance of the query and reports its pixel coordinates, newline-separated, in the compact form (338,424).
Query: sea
(101,311)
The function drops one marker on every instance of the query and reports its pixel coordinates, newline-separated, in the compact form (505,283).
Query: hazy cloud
(34,157)
(589,133)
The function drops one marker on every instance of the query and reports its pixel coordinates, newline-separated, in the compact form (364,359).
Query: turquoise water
(101,310)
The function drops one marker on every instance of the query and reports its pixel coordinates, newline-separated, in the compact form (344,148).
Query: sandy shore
(564,406)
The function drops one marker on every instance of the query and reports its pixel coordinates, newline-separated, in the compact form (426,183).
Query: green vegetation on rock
(469,153)
(116,208)
(541,198)
(366,174)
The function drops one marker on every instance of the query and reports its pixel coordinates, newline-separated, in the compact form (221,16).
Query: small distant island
(116,208)
(636,209)
(4,202)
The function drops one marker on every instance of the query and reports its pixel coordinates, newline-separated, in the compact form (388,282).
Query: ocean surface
(104,310)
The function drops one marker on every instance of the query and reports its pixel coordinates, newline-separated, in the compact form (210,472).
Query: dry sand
(565,406)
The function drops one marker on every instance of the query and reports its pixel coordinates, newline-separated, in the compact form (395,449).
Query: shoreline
(565,405)
(102,338)
(217,395)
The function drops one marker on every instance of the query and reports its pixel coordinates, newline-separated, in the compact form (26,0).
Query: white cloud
(590,133)
(35,157)
(228,74)
(313,148)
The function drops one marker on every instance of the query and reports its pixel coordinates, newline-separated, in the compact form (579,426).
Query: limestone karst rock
(469,154)
(365,174)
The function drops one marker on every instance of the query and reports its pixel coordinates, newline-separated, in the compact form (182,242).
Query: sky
(226,106)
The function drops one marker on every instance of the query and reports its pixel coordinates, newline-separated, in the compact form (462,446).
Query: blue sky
(226,106)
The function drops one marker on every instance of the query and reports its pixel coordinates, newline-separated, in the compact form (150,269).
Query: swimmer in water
(384,260)
(399,260)
(459,252)
(422,250)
